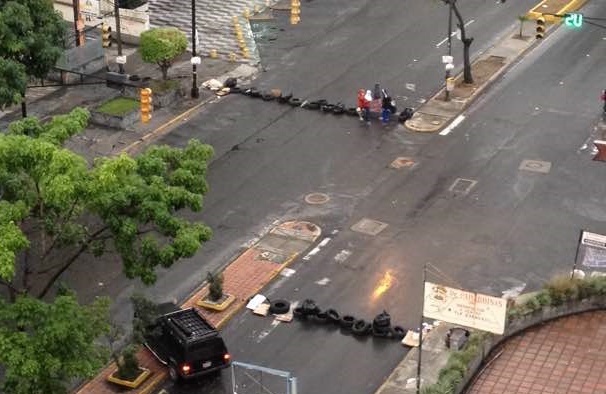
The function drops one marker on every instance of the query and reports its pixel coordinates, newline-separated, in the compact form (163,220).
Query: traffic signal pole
(118,36)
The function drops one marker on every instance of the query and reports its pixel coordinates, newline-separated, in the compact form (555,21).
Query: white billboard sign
(469,309)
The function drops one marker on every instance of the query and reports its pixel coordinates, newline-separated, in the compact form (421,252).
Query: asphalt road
(270,156)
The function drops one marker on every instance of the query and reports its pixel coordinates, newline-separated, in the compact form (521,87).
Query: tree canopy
(55,207)
(31,39)
(56,210)
(161,46)
(44,346)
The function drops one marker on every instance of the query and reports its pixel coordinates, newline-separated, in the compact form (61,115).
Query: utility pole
(195,93)
(118,36)
(76,6)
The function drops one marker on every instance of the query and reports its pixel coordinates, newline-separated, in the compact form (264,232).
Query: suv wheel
(173,373)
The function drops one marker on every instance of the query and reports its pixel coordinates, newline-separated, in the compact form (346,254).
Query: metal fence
(254,379)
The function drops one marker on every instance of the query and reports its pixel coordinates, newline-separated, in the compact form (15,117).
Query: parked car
(187,343)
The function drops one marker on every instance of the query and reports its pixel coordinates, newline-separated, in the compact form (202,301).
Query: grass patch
(118,106)
(163,86)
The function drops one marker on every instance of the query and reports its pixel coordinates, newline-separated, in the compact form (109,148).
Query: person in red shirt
(360,109)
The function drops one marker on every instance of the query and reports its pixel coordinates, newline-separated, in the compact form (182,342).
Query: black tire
(173,373)
(279,307)
(267,97)
(298,313)
(381,333)
(333,316)
(398,332)
(255,93)
(313,105)
(322,101)
(347,322)
(352,111)
(235,89)
(327,107)
(309,307)
(382,320)
(360,327)
(321,317)
(338,109)
(285,99)
(294,102)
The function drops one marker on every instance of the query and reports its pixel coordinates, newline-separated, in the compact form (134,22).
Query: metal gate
(254,379)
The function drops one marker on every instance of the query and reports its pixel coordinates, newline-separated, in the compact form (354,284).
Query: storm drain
(369,226)
(462,186)
(539,166)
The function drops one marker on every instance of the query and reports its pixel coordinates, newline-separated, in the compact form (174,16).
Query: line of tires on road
(276,95)
(308,311)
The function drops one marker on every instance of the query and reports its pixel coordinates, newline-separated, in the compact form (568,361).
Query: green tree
(162,46)
(57,210)
(467,77)
(31,38)
(55,207)
(44,346)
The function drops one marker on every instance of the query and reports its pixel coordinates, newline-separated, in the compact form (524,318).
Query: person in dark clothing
(388,107)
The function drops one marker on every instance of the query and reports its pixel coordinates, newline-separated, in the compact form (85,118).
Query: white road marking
(287,272)
(451,126)
(323,281)
(316,249)
(454,33)
(275,323)
(343,255)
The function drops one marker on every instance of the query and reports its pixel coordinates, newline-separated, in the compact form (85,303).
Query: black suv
(186,342)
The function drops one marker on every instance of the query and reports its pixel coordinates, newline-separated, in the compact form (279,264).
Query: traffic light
(146,104)
(540,27)
(106,33)
(295,11)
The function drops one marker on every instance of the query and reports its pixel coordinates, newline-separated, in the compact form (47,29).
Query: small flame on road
(383,285)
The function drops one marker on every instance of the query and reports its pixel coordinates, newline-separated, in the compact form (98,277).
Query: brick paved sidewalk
(243,278)
(564,356)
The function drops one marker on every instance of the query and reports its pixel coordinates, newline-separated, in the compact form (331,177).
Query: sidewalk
(436,113)
(242,278)
(98,141)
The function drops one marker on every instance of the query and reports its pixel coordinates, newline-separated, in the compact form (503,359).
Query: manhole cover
(542,167)
(369,226)
(462,185)
(402,162)
(317,198)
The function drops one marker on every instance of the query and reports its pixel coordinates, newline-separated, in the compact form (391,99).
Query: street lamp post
(195,60)
(447,95)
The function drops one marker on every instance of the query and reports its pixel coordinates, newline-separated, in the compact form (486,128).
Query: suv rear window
(206,350)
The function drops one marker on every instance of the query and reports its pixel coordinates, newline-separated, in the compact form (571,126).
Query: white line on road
(451,126)
(454,33)
(316,249)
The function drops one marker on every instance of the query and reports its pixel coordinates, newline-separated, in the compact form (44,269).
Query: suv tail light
(185,368)
(226,357)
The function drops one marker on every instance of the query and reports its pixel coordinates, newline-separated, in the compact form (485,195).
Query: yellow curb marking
(152,385)
(157,132)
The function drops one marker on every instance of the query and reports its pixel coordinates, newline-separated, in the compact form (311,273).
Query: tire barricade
(380,327)
(321,105)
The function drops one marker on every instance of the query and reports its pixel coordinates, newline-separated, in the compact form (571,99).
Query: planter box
(114,121)
(167,98)
(133,384)
(218,306)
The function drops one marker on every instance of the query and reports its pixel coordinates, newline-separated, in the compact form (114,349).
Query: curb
(466,102)
(162,129)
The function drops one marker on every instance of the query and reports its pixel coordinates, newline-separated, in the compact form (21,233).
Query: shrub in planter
(215,286)
(128,365)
